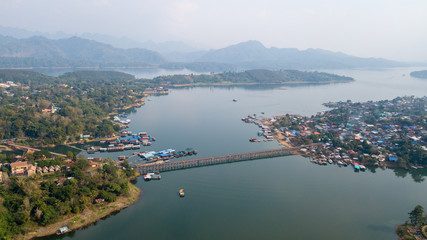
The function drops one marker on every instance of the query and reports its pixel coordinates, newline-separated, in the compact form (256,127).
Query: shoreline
(287,143)
(229,84)
(87,217)
(408,231)
(140,103)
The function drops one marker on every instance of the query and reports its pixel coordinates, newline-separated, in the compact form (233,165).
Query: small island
(419,74)
(251,77)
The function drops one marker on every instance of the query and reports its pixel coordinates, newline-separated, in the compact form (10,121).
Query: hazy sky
(394,29)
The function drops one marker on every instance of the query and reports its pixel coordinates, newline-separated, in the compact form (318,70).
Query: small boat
(234,100)
(330,161)
(181,192)
(156,176)
(362,167)
(414,167)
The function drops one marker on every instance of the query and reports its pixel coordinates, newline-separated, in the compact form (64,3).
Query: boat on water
(152,176)
(156,176)
(330,161)
(181,192)
(234,100)
(362,167)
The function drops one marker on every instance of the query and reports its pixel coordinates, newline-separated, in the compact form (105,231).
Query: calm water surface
(278,198)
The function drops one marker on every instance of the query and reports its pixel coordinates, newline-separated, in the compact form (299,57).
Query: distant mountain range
(118,42)
(253,54)
(74,51)
(38,51)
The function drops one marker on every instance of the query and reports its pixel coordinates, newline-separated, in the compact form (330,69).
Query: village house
(31,170)
(93,164)
(18,168)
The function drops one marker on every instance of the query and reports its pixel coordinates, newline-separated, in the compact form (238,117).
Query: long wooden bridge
(144,168)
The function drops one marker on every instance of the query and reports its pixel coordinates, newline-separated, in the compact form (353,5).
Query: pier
(144,168)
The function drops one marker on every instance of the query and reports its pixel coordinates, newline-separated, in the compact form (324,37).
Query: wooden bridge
(144,168)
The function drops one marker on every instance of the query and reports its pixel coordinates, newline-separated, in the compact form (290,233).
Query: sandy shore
(87,217)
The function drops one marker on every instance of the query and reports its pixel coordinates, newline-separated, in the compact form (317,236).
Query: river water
(277,198)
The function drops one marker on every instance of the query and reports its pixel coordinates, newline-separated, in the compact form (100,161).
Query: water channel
(276,198)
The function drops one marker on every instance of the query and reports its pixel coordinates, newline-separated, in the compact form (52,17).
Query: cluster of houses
(374,123)
(8,84)
(22,168)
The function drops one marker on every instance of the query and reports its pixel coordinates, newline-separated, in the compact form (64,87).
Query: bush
(107,196)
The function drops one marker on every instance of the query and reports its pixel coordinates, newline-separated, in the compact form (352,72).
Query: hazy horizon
(381,29)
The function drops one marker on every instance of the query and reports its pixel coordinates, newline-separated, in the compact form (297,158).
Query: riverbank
(408,231)
(231,84)
(87,217)
(138,103)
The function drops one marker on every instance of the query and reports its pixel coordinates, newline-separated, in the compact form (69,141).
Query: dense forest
(26,203)
(53,110)
(259,76)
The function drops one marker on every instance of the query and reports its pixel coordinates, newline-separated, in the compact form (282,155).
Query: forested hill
(42,52)
(54,110)
(419,74)
(253,54)
(260,76)
(97,75)
(37,51)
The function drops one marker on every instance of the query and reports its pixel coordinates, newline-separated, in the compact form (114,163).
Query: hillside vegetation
(53,110)
(259,76)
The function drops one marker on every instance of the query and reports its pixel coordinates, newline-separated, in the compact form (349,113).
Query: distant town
(385,133)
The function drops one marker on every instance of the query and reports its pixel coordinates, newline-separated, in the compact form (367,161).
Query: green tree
(416,215)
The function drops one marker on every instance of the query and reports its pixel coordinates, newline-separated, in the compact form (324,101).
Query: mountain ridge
(76,49)
(39,51)
(255,54)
